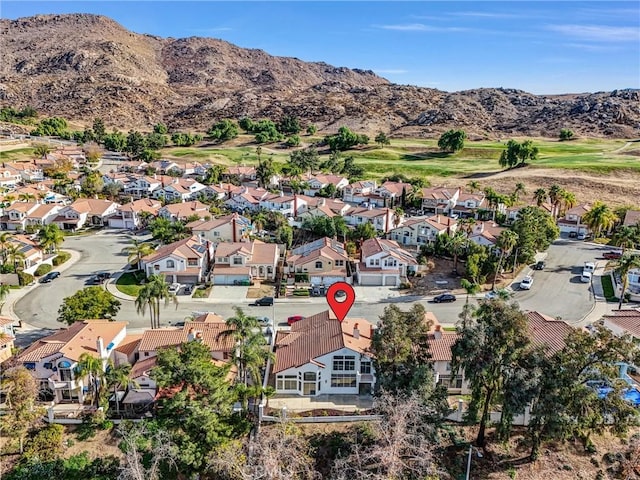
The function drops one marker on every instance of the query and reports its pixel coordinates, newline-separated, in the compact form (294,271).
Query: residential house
(631,218)
(623,322)
(439,199)
(324,260)
(15,215)
(185,261)
(7,338)
(318,181)
(359,192)
(118,178)
(383,219)
(512,213)
(240,174)
(29,171)
(72,152)
(391,192)
(180,189)
(241,262)
(182,211)
(468,204)
(279,202)
(163,167)
(229,228)
(143,186)
(29,247)
(572,221)
(131,215)
(320,206)
(53,360)
(9,176)
(321,355)
(384,262)
(86,212)
(246,198)
(418,231)
(486,233)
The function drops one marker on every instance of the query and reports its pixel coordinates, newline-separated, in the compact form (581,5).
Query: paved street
(556,291)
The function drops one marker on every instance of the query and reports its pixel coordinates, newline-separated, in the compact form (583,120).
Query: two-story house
(15,217)
(7,338)
(182,211)
(29,171)
(439,199)
(246,198)
(324,261)
(318,181)
(486,233)
(468,204)
(237,263)
(383,219)
(130,215)
(321,355)
(358,192)
(53,360)
(279,202)
(86,212)
(418,231)
(240,174)
(572,221)
(163,167)
(9,177)
(143,186)
(384,262)
(180,189)
(32,253)
(229,228)
(185,261)
(392,193)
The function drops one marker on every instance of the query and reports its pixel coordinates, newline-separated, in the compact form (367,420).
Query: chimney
(281,193)
(100,347)
(437,334)
(438,219)
(356,332)
(295,205)
(190,335)
(323,202)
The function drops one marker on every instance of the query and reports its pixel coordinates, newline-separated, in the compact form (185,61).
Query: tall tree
(50,237)
(491,340)
(118,376)
(536,230)
(90,303)
(223,130)
(555,197)
(507,241)
(626,237)
(264,172)
(625,265)
(456,246)
(150,296)
(137,250)
(98,129)
(599,218)
(93,368)
(540,196)
(452,141)
(382,139)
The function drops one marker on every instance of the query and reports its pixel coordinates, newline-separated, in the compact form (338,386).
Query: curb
(110,286)
(22,292)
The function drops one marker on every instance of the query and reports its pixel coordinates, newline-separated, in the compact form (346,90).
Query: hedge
(43,269)
(301,293)
(61,258)
(25,278)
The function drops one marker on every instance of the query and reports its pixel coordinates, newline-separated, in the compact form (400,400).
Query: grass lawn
(607,288)
(128,283)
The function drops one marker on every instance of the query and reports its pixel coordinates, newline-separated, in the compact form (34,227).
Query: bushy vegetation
(43,269)
(11,115)
(61,258)
(54,127)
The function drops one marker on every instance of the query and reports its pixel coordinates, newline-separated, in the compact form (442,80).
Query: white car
(173,289)
(585,277)
(526,282)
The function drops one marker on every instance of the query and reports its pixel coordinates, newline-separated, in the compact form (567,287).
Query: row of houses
(317,355)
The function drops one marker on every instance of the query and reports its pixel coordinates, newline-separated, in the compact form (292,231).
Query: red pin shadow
(341,308)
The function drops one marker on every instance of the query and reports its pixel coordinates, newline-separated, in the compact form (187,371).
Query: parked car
(612,255)
(49,277)
(585,277)
(589,267)
(264,321)
(526,282)
(294,318)
(188,290)
(573,234)
(263,302)
(103,275)
(444,297)
(539,265)
(582,236)
(94,280)
(173,289)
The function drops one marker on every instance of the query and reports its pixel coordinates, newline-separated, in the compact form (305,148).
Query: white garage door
(228,279)
(390,281)
(326,281)
(370,280)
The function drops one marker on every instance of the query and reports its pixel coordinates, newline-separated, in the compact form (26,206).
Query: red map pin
(341,307)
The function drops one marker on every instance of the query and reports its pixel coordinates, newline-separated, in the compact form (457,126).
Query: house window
(192,262)
(343,380)
(216,233)
(339,263)
(269,270)
(156,267)
(237,260)
(287,382)
(448,366)
(318,264)
(66,375)
(344,362)
(365,367)
(171,264)
(48,365)
(146,354)
(447,382)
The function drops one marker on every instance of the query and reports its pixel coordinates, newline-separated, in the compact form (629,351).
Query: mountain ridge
(82,66)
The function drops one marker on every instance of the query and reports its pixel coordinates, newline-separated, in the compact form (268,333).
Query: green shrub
(25,278)
(43,269)
(46,444)
(302,277)
(61,258)
(301,292)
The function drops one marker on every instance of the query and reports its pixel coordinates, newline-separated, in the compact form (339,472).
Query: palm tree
(15,256)
(470,287)
(568,200)
(456,245)
(474,186)
(506,242)
(259,220)
(599,218)
(519,190)
(466,225)
(93,367)
(26,197)
(540,196)
(626,237)
(119,376)
(4,243)
(4,291)
(50,237)
(155,289)
(626,264)
(398,214)
(137,250)
(144,301)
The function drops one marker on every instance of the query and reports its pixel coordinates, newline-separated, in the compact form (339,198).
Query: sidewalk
(16,294)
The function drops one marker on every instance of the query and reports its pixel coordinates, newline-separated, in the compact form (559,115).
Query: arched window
(171,264)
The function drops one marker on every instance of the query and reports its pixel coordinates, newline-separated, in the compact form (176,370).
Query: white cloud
(600,33)
(420,27)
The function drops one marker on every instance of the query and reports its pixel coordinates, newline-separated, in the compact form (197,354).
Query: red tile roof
(547,331)
(628,320)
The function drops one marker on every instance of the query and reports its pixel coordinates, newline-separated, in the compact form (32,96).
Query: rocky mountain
(82,66)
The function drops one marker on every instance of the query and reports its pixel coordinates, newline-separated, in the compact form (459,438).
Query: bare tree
(403,444)
(137,441)
(279,452)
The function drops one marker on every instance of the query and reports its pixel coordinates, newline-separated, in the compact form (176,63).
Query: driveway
(229,293)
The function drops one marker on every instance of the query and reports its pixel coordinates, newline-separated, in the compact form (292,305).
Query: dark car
(264,302)
(94,280)
(49,277)
(612,255)
(188,290)
(444,297)
(539,266)
(294,318)
(103,275)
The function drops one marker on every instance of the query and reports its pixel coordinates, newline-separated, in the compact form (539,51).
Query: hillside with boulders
(82,66)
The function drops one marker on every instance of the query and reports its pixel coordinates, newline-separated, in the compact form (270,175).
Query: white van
(589,267)
(585,277)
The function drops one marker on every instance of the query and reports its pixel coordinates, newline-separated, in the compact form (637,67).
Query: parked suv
(49,277)
(539,265)
(612,255)
(264,302)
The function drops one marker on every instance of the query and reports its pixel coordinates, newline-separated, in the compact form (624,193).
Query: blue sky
(542,47)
